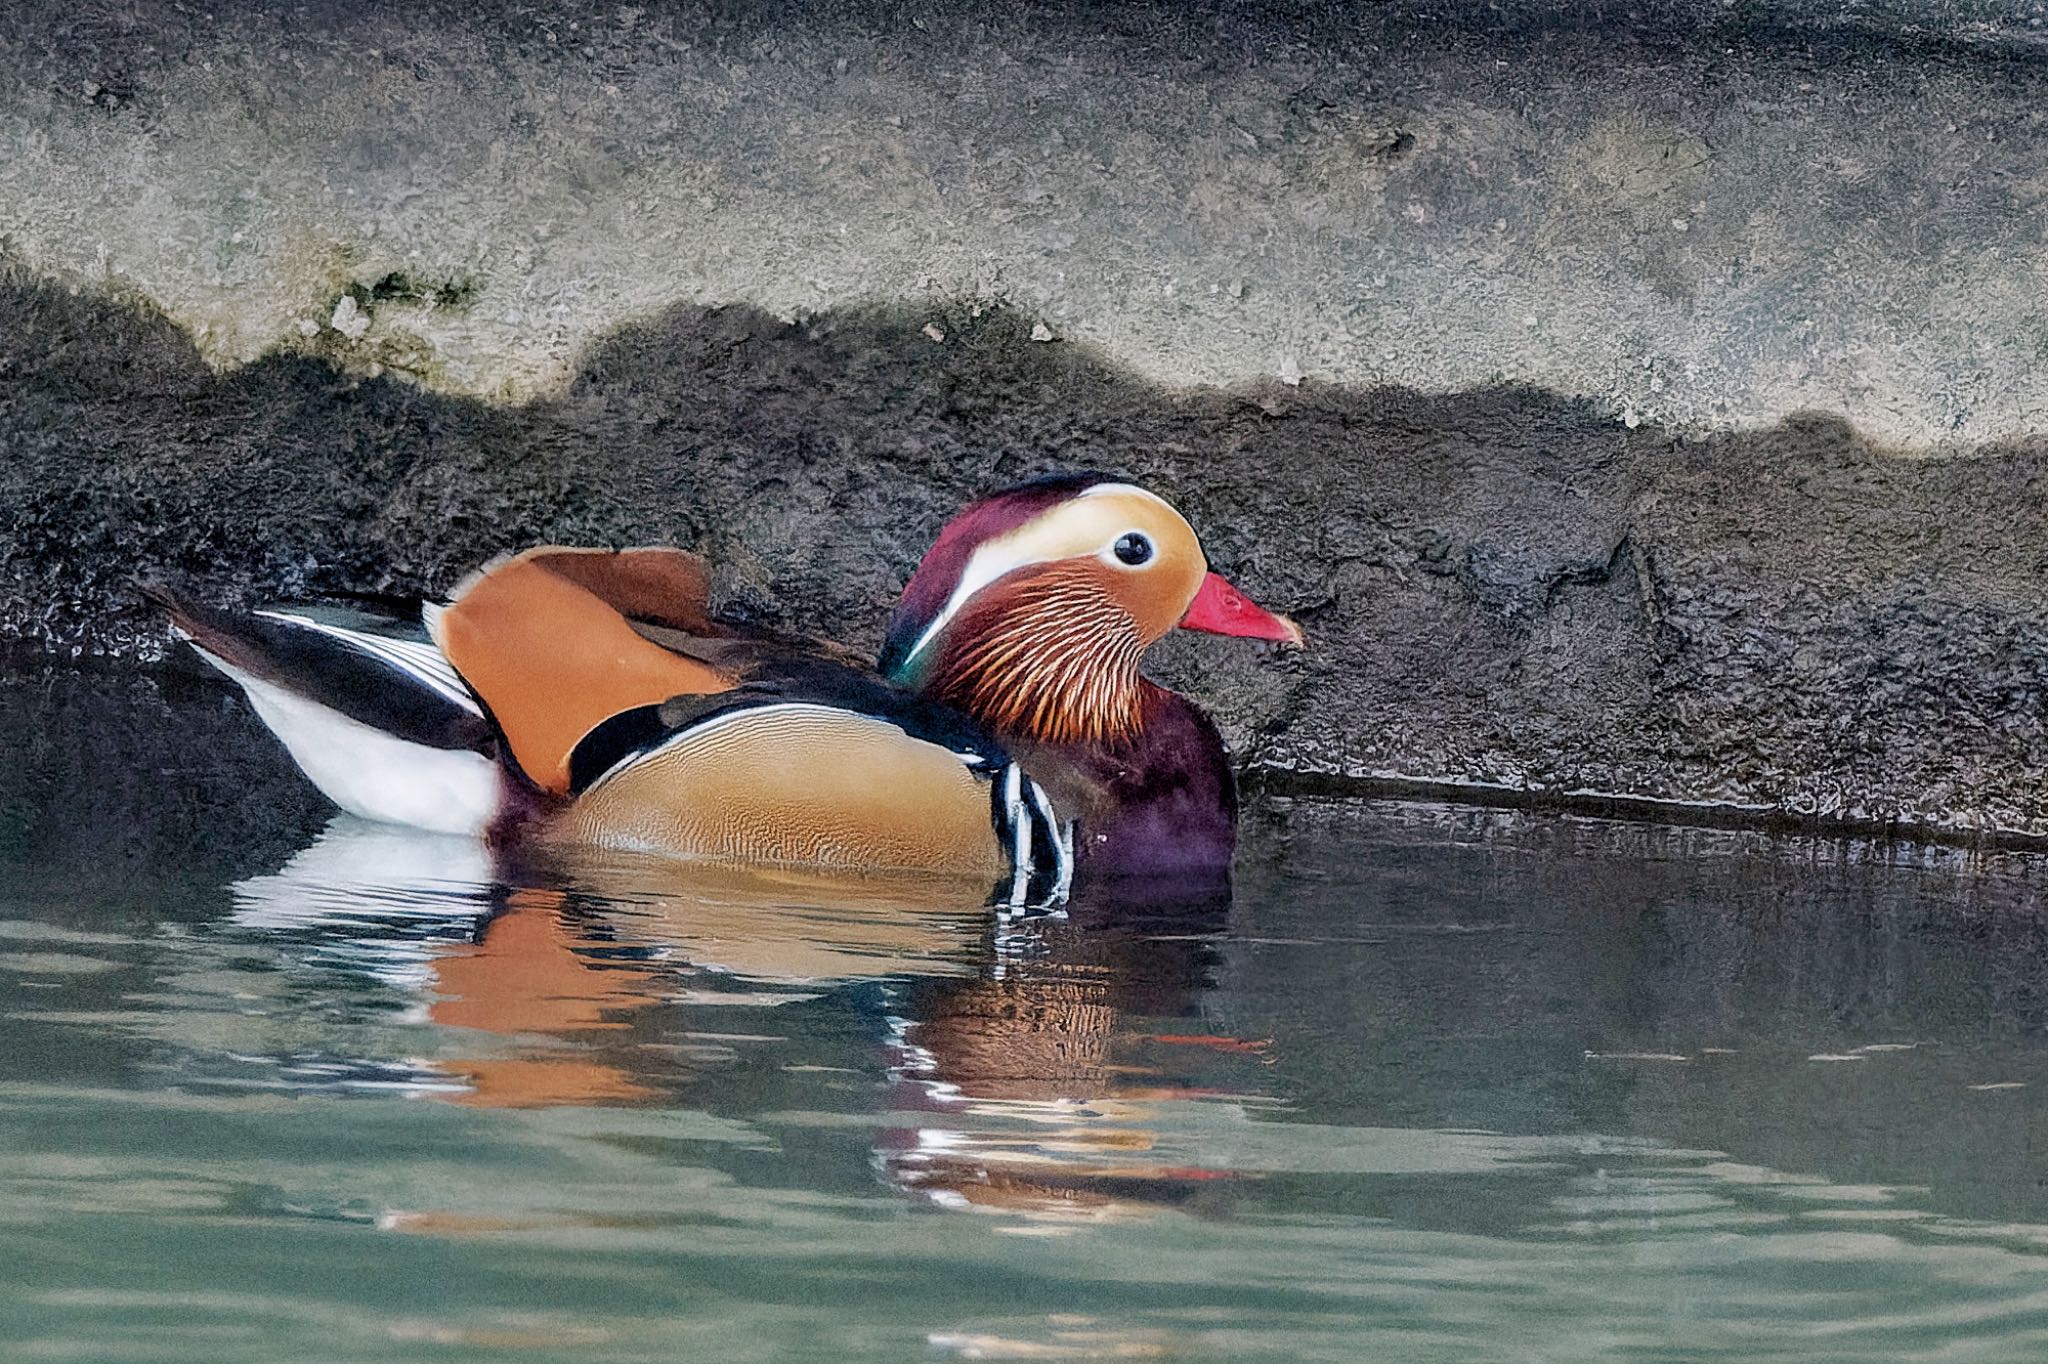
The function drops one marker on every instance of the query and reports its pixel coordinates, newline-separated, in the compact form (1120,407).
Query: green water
(1435,1084)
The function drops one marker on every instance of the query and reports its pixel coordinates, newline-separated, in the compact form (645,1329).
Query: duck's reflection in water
(1017,1077)
(1039,1086)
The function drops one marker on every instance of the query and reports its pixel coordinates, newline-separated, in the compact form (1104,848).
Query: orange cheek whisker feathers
(1054,660)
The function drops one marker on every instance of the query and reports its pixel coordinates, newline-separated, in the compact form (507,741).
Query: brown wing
(544,638)
(797,783)
(658,585)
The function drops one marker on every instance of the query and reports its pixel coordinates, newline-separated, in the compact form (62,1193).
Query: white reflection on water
(542,968)
(375,898)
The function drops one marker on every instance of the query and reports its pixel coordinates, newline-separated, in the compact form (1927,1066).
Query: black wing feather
(781,679)
(330,671)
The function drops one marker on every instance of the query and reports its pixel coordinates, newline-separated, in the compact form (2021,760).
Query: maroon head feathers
(938,573)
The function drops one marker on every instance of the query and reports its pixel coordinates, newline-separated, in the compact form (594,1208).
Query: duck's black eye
(1134,549)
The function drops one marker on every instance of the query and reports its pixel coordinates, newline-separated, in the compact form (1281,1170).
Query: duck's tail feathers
(367,706)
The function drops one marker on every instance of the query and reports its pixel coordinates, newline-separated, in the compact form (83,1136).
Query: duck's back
(660,730)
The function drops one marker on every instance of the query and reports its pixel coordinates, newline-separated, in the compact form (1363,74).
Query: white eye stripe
(1125,490)
(983,568)
(1029,544)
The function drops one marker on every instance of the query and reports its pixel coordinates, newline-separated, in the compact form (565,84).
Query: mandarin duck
(574,698)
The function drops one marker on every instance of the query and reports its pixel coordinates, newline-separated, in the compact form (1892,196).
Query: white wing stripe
(422,662)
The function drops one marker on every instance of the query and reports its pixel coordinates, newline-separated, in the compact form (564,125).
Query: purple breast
(1175,800)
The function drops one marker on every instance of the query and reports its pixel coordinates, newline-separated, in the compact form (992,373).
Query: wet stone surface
(1499,587)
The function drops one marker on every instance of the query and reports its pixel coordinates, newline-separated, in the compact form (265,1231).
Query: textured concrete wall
(350,298)
(1698,214)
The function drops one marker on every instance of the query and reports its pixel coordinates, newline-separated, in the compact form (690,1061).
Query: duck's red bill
(1220,609)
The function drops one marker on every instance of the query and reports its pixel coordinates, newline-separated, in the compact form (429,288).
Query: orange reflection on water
(1034,1057)
(527,979)
(537,975)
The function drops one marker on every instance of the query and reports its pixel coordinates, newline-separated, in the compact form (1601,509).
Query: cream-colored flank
(796,784)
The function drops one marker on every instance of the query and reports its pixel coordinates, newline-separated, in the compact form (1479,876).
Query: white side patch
(369,773)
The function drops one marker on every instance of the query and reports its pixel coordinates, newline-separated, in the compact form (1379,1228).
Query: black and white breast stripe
(1041,845)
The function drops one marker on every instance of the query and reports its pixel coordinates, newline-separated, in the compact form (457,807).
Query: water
(1436,1084)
